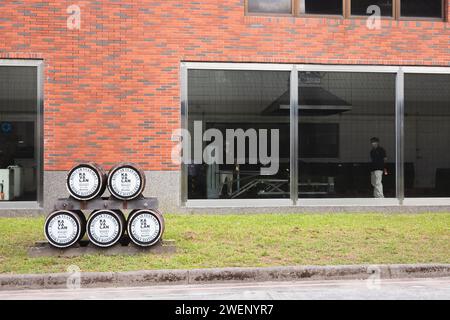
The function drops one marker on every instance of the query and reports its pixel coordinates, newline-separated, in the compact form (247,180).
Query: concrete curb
(222,275)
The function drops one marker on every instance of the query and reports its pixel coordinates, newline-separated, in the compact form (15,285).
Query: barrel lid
(126,181)
(85,181)
(145,227)
(105,227)
(63,228)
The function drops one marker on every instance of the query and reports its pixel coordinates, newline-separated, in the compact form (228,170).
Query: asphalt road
(416,289)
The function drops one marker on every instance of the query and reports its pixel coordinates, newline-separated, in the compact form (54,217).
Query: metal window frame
(184,125)
(399,71)
(249,13)
(298,11)
(399,135)
(218,203)
(294,135)
(408,201)
(442,18)
(350,202)
(39,203)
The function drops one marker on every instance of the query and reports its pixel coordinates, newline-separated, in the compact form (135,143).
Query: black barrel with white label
(145,227)
(86,181)
(65,228)
(105,228)
(126,181)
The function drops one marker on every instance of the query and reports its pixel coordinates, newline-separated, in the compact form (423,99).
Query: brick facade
(112,87)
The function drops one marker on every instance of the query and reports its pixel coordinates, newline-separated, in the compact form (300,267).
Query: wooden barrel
(126,181)
(65,228)
(86,181)
(106,227)
(145,227)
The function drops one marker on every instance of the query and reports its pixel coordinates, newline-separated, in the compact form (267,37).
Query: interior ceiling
(253,92)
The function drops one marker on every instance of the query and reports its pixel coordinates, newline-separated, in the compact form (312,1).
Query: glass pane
(242,135)
(427,132)
(323,7)
(270,6)
(421,8)
(346,135)
(360,7)
(18,116)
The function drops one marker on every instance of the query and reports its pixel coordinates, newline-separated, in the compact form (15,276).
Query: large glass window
(240,137)
(421,8)
(18,134)
(270,6)
(427,135)
(346,135)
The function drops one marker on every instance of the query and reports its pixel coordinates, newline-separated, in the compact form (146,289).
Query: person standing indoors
(377,167)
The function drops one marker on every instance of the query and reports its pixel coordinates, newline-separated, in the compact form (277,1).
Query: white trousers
(377,183)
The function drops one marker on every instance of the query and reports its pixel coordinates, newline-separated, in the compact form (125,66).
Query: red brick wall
(112,88)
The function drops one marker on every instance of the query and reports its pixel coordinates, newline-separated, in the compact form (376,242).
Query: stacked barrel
(105,228)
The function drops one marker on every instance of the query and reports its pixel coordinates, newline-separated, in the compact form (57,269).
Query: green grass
(206,241)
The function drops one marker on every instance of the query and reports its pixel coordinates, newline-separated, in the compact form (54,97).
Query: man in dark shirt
(377,167)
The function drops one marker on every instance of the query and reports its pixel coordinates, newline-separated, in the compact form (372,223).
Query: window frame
(349,14)
(38,204)
(346,12)
(319,15)
(268,14)
(443,17)
(399,201)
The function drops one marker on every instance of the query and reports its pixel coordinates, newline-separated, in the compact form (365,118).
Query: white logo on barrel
(126,182)
(104,228)
(83,181)
(62,229)
(145,228)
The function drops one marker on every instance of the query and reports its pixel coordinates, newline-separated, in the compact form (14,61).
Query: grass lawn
(206,241)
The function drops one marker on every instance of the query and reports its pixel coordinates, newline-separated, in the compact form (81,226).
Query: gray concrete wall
(164,185)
